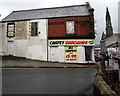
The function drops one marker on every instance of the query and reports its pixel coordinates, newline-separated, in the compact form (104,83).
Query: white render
(4,39)
(1,39)
(61,54)
(81,54)
(32,47)
(93,52)
(36,47)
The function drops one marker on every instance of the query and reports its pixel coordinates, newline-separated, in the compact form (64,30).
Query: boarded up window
(10,30)
(21,30)
(70,27)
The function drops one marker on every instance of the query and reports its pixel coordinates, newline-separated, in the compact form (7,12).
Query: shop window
(34,28)
(70,27)
(88,53)
(70,53)
(10,29)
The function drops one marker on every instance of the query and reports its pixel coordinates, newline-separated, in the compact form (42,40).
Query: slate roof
(77,10)
(103,36)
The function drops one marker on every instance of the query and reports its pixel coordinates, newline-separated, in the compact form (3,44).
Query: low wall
(102,87)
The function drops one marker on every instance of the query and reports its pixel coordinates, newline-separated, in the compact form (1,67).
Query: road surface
(48,81)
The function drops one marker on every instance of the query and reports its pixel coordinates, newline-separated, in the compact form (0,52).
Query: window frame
(8,30)
(34,31)
(73,27)
(88,56)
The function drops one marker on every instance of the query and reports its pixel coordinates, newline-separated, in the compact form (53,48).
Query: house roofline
(42,18)
(50,8)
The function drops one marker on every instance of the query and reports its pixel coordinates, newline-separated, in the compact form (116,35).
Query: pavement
(19,62)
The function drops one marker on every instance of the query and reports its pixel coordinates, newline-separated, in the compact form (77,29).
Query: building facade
(119,25)
(109,41)
(61,34)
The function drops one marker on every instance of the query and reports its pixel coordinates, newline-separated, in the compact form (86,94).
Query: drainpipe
(47,49)
(47,37)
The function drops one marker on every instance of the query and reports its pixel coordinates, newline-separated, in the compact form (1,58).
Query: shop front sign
(71,42)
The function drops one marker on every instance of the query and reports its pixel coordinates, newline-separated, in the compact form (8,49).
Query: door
(11,48)
(54,54)
(88,53)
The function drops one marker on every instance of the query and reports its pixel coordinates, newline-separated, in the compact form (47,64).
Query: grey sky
(7,6)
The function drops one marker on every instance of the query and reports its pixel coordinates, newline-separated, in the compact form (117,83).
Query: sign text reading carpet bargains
(70,42)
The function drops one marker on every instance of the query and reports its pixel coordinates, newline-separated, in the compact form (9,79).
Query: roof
(117,35)
(103,36)
(114,34)
(76,10)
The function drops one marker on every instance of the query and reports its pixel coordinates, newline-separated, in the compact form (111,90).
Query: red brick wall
(57,27)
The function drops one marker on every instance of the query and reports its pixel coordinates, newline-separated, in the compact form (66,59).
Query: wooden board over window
(70,27)
(10,30)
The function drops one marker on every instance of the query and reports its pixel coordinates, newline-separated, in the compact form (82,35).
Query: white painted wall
(4,39)
(37,46)
(37,49)
(81,54)
(61,54)
(20,48)
(49,53)
(0,38)
(32,47)
(93,57)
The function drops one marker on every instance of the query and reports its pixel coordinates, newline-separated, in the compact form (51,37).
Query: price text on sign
(70,53)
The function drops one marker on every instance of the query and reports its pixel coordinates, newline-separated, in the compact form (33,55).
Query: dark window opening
(34,28)
(88,53)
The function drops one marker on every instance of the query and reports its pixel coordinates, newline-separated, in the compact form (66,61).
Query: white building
(28,33)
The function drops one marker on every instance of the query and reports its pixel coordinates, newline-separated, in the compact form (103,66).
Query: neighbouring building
(1,39)
(60,34)
(109,41)
(119,25)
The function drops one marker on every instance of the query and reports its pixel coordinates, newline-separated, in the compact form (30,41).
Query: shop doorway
(88,53)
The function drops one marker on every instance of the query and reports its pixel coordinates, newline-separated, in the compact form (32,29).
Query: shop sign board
(71,42)
(70,53)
